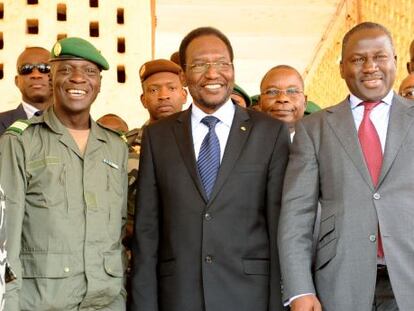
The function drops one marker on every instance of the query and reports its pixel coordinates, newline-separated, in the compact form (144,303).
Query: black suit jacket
(8,117)
(191,254)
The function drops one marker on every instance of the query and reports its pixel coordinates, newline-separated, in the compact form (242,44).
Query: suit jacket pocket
(326,248)
(256,266)
(166,268)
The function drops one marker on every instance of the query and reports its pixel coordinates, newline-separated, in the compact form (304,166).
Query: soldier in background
(162,95)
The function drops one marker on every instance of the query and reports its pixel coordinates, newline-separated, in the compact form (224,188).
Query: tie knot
(370,105)
(210,121)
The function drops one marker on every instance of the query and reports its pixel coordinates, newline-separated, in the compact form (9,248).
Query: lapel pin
(243,128)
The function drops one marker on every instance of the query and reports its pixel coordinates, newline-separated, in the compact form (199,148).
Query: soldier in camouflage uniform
(162,95)
(65,178)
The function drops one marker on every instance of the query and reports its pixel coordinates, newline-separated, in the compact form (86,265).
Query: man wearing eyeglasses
(407,87)
(209,192)
(32,79)
(282,95)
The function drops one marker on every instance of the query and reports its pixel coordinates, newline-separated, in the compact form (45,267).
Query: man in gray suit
(356,159)
(203,241)
(32,80)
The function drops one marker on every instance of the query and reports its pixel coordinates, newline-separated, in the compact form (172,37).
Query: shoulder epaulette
(18,126)
(119,133)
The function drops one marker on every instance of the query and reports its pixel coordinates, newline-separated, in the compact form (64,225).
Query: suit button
(209,259)
(207,216)
(372,238)
(376,196)
(66,269)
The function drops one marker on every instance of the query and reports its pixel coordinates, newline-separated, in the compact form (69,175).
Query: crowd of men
(228,205)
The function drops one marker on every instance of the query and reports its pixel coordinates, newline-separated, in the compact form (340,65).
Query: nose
(211,72)
(370,65)
(282,98)
(164,93)
(77,76)
(36,74)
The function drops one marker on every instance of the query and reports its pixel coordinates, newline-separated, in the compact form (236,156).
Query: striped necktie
(208,162)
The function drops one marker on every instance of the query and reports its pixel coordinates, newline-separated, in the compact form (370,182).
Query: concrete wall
(115,97)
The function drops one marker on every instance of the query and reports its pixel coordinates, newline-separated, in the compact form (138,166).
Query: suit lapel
(401,119)
(342,123)
(184,139)
(240,130)
(20,113)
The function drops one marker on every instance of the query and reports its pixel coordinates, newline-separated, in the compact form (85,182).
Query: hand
(306,303)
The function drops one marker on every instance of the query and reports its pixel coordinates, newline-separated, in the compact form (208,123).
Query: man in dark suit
(32,79)
(206,223)
(356,159)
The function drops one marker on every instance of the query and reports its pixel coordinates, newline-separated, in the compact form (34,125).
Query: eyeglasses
(408,93)
(27,69)
(290,92)
(203,67)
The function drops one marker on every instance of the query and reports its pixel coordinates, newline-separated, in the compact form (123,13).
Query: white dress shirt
(29,109)
(199,130)
(379,116)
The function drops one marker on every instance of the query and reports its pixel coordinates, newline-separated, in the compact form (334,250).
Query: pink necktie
(371,148)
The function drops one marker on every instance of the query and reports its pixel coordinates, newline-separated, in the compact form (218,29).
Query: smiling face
(34,86)
(369,64)
(284,106)
(210,88)
(76,83)
(163,95)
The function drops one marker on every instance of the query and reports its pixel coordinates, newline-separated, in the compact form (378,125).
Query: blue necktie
(208,162)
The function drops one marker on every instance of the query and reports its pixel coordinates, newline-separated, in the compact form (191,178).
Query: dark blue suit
(8,117)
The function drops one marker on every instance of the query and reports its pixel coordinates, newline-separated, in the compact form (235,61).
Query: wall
(115,97)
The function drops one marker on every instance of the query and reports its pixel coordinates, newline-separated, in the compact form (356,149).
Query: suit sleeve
(146,234)
(274,193)
(297,217)
(13,180)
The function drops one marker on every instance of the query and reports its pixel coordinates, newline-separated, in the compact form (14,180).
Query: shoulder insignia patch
(119,133)
(18,127)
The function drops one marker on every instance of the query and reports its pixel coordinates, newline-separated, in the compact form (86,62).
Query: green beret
(311,107)
(255,99)
(77,48)
(239,91)
(156,66)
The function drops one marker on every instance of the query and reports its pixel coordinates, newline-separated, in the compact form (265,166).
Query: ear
(143,101)
(100,83)
(185,93)
(306,101)
(16,80)
(408,67)
(341,69)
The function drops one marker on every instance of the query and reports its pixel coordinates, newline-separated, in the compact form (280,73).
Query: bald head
(32,77)
(407,87)
(35,52)
(282,95)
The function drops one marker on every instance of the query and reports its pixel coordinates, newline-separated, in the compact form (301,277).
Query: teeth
(212,86)
(76,92)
